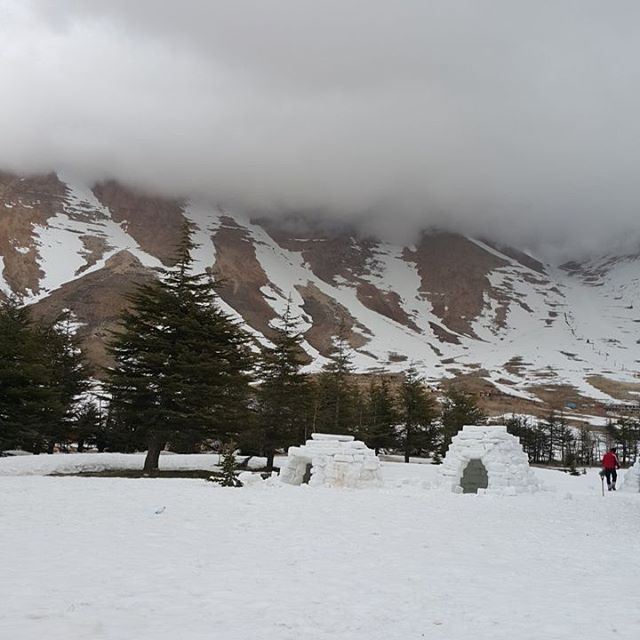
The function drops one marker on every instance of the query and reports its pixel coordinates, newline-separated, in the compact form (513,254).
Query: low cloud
(518,121)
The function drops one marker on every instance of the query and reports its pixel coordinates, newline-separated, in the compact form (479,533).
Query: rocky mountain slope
(453,306)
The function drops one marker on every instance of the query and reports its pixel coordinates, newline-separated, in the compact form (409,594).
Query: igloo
(332,461)
(631,480)
(487,460)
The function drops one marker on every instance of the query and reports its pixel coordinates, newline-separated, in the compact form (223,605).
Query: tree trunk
(153,455)
(270,456)
(80,445)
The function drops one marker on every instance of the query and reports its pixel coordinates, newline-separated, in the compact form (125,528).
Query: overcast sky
(517,119)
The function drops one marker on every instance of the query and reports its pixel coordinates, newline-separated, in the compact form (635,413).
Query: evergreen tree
(17,383)
(556,434)
(31,403)
(417,414)
(88,425)
(382,417)
(585,447)
(520,427)
(182,367)
(458,410)
(229,466)
(336,403)
(625,433)
(69,377)
(566,441)
(284,391)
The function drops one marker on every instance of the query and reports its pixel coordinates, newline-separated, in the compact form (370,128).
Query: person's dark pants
(612,477)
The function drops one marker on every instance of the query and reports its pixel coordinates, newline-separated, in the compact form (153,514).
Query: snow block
(330,437)
(332,461)
(631,480)
(249,479)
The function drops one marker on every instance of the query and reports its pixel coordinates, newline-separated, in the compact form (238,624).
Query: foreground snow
(118,559)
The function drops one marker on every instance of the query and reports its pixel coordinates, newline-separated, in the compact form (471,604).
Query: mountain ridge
(451,305)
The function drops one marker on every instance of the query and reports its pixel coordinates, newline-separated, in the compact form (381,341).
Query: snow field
(97,462)
(119,559)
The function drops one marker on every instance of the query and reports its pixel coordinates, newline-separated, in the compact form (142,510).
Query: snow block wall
(332,461)
(631,482)
(487,460)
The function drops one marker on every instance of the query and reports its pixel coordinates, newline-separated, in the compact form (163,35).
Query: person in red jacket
(610,465)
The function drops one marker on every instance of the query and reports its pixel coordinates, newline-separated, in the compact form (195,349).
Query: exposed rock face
(450,305)
(454,273)
(331,252)
(328,319)
(97,300)
(154,223)
(242,275)
(25,203)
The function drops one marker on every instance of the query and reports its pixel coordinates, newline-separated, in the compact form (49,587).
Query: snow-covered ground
(122,559)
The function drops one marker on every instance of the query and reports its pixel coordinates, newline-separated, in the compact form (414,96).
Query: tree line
(553,441)
(43,376)
(186,376)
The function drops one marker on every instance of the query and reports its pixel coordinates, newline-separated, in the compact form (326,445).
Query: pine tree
(88,425)
(585,444)
(182,366)
(382,418)
(69,376)
(458,409)
(283,393)
(417,414)
(30,402)
(16,372)
(625,433)
(549,427)
(336,395)
(229,466)
(566,441)
(520,426)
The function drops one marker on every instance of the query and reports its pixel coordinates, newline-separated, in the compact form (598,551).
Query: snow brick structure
(332,461)
(631,481)
(487,460)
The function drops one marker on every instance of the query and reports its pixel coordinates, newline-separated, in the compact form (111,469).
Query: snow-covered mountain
(451,305)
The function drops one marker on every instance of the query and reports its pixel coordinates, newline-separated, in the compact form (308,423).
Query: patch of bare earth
(519,256)
(330,251)
(386,303)
(242,275)
(453,273)
(338,253)
(616,389)
(94,248)
(154,222)
(25,202)
(329,318)
(97,299)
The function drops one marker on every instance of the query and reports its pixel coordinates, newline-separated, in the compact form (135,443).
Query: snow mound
(631,482)
(332,461)
(487,460)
